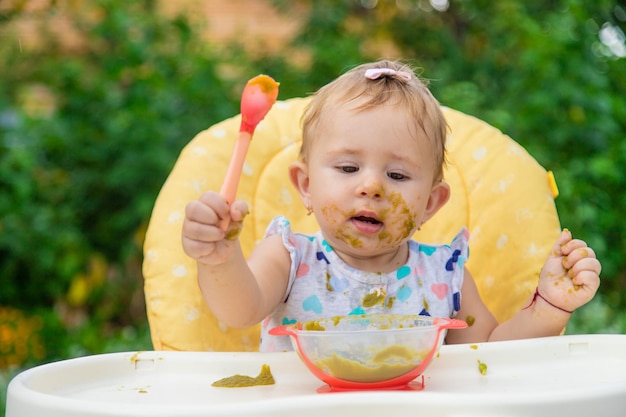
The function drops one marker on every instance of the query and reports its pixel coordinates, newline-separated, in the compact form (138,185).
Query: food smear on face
(389,363)
(350,240)
(403,217)
(398,218)
(265,377)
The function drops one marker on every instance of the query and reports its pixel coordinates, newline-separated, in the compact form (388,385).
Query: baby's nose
(371,188)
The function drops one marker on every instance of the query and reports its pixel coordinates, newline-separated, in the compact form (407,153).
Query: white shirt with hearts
(321,285)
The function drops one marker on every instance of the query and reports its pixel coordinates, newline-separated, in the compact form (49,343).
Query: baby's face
(370,180)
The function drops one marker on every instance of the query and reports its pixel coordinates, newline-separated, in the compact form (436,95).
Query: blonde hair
(398,87)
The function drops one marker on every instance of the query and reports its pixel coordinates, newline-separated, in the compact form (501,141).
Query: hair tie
(376,73)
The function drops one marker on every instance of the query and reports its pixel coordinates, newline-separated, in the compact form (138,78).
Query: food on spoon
(257,99)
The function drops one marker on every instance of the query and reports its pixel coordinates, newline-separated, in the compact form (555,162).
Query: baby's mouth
(367,219)
(367,224)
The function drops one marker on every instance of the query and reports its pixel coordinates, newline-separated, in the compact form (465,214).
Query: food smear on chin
(396,222)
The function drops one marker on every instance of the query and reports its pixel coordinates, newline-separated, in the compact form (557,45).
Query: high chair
(499,192)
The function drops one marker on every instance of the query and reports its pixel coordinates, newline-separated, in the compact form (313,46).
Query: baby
(371,172)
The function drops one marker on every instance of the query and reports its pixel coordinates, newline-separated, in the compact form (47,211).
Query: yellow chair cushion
(499,192)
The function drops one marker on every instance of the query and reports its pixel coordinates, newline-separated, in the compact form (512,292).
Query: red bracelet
(536,294)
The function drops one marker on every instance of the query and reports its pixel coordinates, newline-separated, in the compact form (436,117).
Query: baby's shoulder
(281,226)
(459,246)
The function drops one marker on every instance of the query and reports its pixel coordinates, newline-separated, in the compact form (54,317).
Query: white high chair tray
(578,375)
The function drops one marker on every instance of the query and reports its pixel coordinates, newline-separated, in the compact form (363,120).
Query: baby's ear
(299,176)
(439,196)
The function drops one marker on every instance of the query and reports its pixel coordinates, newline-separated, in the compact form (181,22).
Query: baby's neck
(382,263)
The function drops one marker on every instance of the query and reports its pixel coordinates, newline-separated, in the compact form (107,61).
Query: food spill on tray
(265,377)
(482,368)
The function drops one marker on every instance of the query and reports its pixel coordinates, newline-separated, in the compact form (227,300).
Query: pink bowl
(368,351)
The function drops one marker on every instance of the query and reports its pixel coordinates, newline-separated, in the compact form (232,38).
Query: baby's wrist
(537,295)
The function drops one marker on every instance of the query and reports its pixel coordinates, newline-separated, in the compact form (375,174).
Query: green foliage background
(88,136)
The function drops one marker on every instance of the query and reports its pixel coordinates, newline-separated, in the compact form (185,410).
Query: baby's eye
(396,176)
(348,168)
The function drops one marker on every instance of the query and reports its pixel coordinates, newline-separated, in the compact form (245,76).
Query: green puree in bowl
(389,363)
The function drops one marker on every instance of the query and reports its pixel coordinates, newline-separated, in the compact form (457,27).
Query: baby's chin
(372,255)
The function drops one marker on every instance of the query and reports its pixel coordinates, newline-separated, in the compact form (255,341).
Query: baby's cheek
(401,218)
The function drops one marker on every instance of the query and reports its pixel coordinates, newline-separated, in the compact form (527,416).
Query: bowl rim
(434,324)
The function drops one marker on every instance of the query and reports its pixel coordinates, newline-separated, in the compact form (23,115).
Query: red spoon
(257,99)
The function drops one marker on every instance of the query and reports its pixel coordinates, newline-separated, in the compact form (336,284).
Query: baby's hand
(202,237)
(571,275)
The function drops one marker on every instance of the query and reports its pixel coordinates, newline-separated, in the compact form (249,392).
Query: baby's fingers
(198,212)
(202,232)
(576,251)
(587,280)
(564,238)
(238,210)
(216,203)
(197,249)
(586,271)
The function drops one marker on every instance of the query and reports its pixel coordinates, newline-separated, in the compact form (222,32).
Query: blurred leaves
(19,338)
(90,137)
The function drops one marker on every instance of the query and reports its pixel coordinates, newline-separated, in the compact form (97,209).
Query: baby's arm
(239,293)
(568,280)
